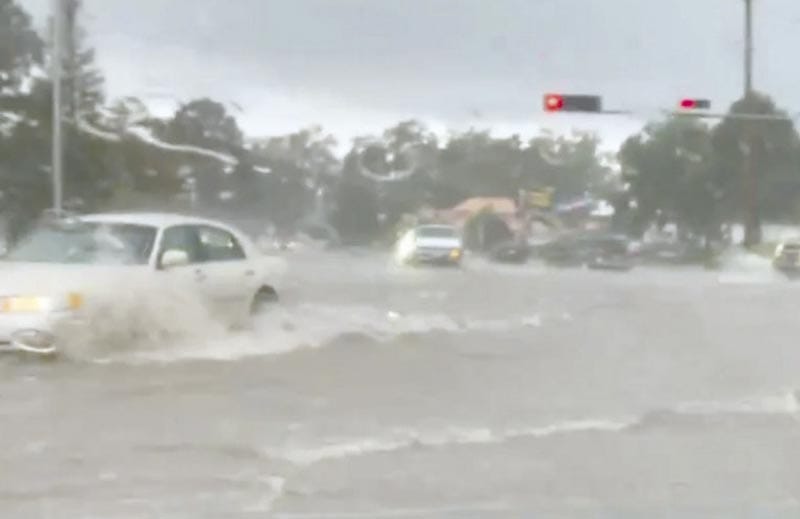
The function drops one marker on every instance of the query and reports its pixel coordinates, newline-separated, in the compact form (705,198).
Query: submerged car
(611,253)
(600,252)
(787,258)
(515,252)
(71,275)
(673,253)
(432,244)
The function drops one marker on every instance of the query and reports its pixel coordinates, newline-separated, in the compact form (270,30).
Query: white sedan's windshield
(88,243)
(437,232)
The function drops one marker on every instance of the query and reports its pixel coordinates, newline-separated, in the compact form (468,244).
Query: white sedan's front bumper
(47,325)
(443,255)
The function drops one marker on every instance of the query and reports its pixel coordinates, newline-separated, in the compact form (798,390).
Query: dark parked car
(673,253)
(606,252)
(516,252)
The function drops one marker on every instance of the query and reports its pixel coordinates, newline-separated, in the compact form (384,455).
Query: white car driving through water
(435,244)
(77,277)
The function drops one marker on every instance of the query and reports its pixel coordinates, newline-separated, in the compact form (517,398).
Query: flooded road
(374,391)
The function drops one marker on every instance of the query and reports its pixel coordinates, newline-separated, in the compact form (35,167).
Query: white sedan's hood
(438,243)
(53,279)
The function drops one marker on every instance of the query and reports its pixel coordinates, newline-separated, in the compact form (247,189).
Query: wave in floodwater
(285,329)
(694,413)
(402,440)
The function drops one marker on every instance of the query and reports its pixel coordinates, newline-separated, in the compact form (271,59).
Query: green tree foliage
(383,179)
(775,152)
(684,171)
(571,165)
(310,149)
(301,164)
(23,178)
(205,123)
(475,164)
(83,81)
(21,49)
(669,166)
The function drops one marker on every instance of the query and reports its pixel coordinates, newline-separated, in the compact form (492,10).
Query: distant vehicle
(600,252)
(516,252)
(432,244)
(787,257)
(611,253)
(672,253)
(65,277)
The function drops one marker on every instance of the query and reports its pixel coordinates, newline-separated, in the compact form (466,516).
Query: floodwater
(375,391)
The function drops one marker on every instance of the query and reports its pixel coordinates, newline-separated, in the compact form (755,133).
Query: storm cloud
(353,64)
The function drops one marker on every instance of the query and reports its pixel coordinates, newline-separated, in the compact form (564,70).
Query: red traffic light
(572,103)
(553,102)
(695,104)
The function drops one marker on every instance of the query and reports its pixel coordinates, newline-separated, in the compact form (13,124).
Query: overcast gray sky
(358,65)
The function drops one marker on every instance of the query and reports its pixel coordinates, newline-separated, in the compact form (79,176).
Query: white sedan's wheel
(265,297)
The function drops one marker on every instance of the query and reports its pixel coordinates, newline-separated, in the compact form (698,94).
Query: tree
(393,173)
(570,165)
(670,168)
(475,164)
(204,123)
(126,112)
(24,184)
(21,50)
(356,213)
(310,149)
(303,168)
(762,158)
(83,82)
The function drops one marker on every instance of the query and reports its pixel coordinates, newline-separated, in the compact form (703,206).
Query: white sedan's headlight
(36,304)
(406,248)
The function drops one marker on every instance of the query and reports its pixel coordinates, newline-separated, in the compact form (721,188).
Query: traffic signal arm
(572,103)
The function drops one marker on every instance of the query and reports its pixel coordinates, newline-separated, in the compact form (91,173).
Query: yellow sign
(541,198)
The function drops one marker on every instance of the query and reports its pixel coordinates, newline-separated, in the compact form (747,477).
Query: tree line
(118,155)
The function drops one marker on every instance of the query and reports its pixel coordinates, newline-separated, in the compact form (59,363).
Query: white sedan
(434,244)
(98,274)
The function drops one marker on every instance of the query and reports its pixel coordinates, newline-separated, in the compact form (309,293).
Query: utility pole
(752,220)
(57,63)
(748,47)
(69,37)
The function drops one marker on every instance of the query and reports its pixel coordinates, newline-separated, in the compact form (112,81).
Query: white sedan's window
(86,243)
(219,245)
(183,238)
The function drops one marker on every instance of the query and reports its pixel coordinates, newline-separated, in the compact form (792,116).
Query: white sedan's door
(190,279)
(231,278)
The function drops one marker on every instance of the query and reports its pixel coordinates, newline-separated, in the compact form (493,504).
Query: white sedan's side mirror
(174,258)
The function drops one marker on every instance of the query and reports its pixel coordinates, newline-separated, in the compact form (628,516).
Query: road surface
(375,391)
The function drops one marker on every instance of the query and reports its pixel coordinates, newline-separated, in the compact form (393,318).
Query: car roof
(151,219)
(437,226)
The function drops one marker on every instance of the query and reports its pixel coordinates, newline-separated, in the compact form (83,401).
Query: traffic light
(695,104)
(572,103)
(553,102)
